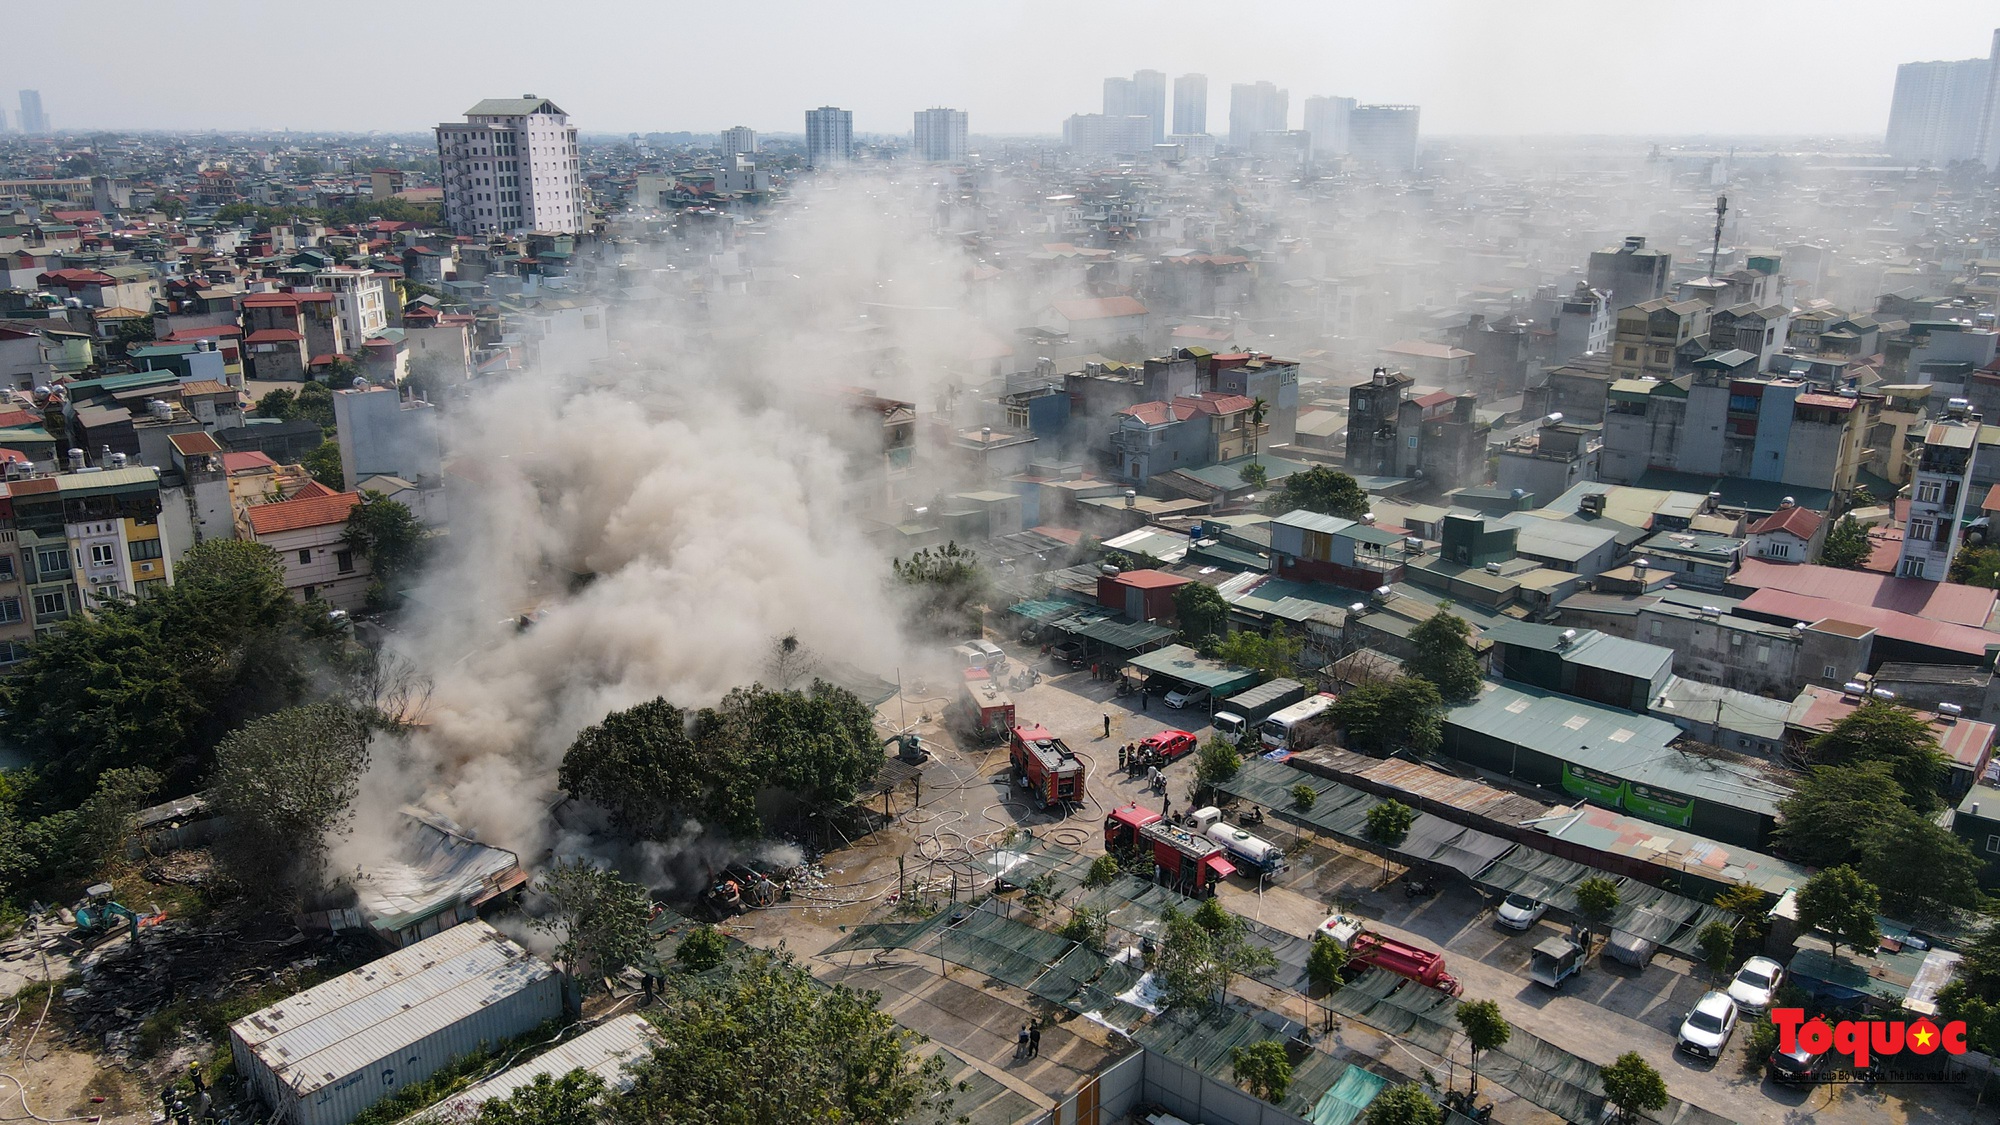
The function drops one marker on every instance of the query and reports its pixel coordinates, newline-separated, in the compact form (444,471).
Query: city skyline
(1488,72)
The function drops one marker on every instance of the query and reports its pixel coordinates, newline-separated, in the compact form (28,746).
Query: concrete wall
(1150,1078)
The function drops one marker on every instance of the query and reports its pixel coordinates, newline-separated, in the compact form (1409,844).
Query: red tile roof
(271,301)
(290,515)
(1802,522)
(213,331)
(247,462)
(1158,413)
(1149,579)
(195,444)
(1938,601)
(1962,639)
(1211,402)
(1100,308)
(1435,398)
(1992,501)
(273,336)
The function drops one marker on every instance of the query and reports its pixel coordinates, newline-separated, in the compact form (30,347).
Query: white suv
(1706,1030)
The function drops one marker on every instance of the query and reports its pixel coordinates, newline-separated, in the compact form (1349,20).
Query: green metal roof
(1121,634)
(1183,663)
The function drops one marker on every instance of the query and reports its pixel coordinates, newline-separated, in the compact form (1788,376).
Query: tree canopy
(385,533)
(286,782)
(1443,657)
(1597,899)
(1831,809)
(1882,731)
(1847,545)
(1273,656)
(1407,1104)
(1976,566)
(1633,1086)
(1485,1029)
(1201,952)
(1841,905)
(323,464)
(1384,716)
(575,1098)
(947,588)
(1389,822)
(599,920)
(1320,489)
(1922,871)
(656,767)
(762,1043)
(1201,611)
(1263,1068)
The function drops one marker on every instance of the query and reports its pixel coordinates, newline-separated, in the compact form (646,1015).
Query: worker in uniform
(1107,724)
(1123,753)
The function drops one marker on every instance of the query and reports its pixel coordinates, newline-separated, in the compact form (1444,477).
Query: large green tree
(286,783)
(1320,489)
(1201,952)
(1632,1086)
(947,589)
(1832,808)
(1597,899)
(323,464)
(1202,612)
(598,919)
(1263,1068)
(385,533)
(1485,1030)
(1272,656)
(1881,731)
(1976,566)
(575,1098)
(762,1043)
(1384,716)
(1444,657)
(1922,870)
(1841,905)
(1407,1104)
(1847,545)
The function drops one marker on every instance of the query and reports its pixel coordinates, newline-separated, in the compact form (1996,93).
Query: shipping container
(325,1055)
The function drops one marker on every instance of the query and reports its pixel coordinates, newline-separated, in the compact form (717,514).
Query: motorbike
(1254,816)
(1124,688)
(1418,888)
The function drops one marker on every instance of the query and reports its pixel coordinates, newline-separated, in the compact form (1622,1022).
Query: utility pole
(1715,252)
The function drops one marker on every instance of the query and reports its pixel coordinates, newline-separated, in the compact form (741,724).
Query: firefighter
(1124,752)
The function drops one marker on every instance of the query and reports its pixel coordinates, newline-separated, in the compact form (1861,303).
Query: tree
(703,948)
(280,403)
(1200,953)
(1831,809)
(1597,899)
(1881,731)
(1443,657)
(1632,1086)
(385,533)
(1841,905)
(1254,474)
(1216,762)
(1385,716)
(1922,870)
(1304,796)
(1387,824)
(1320,489)
(1260,409)
(137,331)
(285,783)
(1979,964)
(1263,1068)
(1273,656)
(1102,871)
(1326,960)
(1201,611)
(1407,1104)
(574,1098)
(762,1043)
(1485,1029)
(1847,545)
(1087,928)
(947,588)
(599,920)
(1718,945)
(1976,566)
(323,464)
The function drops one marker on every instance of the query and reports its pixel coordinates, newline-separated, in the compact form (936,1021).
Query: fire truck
(1365,947)
(1183,858)
(984,709)
(1046,766)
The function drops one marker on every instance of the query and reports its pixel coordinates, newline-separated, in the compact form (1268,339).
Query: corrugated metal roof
(1593,649)
(1183,663)
(327,1032)
(1313,521)
(606,1051)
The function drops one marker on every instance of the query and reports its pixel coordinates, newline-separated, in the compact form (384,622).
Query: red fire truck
(1366,947)
(984,709)
(1050,770)
(1183,858)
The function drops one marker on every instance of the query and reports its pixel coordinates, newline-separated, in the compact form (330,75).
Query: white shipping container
(328,1054)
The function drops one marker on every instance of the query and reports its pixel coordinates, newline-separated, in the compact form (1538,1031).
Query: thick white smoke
(702,476)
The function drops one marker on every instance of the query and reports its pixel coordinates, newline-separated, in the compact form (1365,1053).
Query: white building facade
(829,136)
(736,140)
(510,167)
(939,134)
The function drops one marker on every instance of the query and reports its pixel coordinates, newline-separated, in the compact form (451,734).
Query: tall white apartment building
(1327,119)
(1938,497)
(940,134)
(511,166)
(737,140)
(829,136)
(1190,104)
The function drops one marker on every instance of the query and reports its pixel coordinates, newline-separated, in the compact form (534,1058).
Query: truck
(1366,947)
(983,708)
(1243,847)
(1556,960)
(1183,858)
(1278,731)
(1240,713)
(1045,766)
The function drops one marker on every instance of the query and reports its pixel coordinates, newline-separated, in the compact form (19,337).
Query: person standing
(1034,1042)
(1021,1043)
(1107,724)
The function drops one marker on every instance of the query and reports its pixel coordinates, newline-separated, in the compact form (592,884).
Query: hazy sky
(1605,66)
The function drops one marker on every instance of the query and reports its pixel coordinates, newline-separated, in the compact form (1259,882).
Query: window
(1923,530)
(103,554)
(1631,354)
(1017,417)
(10,609)
(1993,845)
(1413,441)
(1763,654)
(107,593)
(143,549)
(310,592)
(52,563)
(6,568)
(1780,550)
(1929,491)
(1913,568)
(343,561)
(1830,673)
(306,555)
(51,604)
(1658,628)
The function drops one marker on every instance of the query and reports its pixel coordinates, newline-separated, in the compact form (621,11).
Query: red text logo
(1862,1040)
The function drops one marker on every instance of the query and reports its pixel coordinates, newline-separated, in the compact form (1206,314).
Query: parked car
(1519,912)
(1756,982)
(1706,1030)
(1187,697)
(1168,744)
(1796,1065)
(1069,653)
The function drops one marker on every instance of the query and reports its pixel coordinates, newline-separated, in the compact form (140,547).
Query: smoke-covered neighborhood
(1108,565)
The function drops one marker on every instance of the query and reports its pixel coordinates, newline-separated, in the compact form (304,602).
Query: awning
(1119,634)
(1222,868)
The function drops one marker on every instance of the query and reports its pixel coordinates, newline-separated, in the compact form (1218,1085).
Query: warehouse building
(324,1056)
(608,1051)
